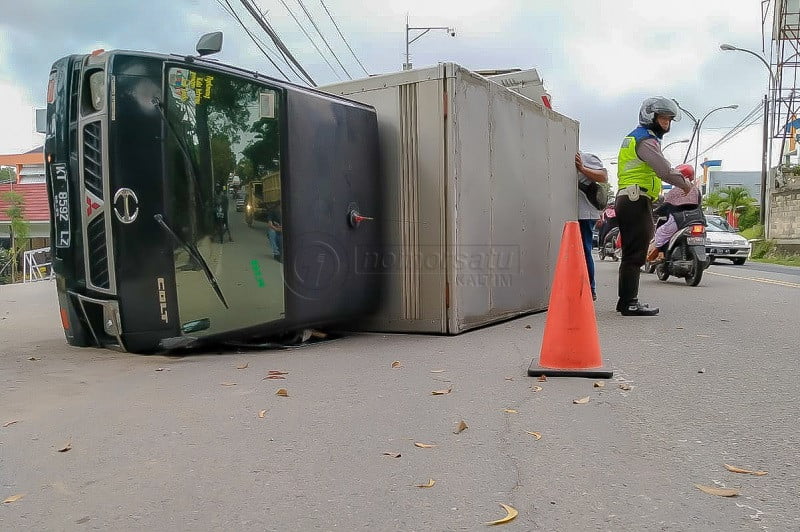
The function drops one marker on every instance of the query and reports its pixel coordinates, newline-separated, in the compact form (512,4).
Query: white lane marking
(759,280)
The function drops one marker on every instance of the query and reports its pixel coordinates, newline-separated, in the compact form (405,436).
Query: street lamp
(766,155)
(424,30)
(700,124)
(675,142)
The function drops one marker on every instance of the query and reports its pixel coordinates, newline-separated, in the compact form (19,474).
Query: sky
(599,59)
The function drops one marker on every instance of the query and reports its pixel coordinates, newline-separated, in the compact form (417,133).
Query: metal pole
(762,204)
(407,66)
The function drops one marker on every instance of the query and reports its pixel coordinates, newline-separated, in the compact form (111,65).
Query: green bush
(756,231)
(762,248)
(749,217)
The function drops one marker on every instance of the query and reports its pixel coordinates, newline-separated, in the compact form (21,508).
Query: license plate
(61,205)
(696,240)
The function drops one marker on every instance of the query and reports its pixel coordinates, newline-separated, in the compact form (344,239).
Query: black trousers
(636,230)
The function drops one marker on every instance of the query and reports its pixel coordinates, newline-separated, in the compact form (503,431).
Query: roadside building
(29,181)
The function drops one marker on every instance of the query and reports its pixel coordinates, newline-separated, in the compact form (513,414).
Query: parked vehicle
(240,200)
(723,242)
(685,256)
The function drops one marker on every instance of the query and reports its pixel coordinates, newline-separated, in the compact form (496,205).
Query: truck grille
(92,159)
(98,255)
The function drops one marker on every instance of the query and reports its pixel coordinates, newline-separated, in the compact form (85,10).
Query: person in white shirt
(590,168)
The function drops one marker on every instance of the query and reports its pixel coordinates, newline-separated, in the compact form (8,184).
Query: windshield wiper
(195,254)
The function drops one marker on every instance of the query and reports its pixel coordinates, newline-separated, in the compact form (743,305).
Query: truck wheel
(739,262)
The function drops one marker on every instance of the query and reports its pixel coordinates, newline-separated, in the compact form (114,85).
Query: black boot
(634,308)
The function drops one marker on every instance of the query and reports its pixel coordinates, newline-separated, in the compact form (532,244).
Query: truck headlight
(97,86)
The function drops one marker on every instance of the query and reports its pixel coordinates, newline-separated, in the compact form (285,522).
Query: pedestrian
(640,169)
(590,169)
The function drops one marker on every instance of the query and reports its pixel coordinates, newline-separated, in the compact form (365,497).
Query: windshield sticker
(187,85)
(267,107)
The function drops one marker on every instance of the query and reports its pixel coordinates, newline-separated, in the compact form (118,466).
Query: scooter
(611,245)
(685,256)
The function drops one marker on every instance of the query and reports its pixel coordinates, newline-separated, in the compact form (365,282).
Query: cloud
(599,59)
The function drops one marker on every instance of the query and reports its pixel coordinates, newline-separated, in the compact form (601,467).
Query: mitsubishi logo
(126,205)
(91,205)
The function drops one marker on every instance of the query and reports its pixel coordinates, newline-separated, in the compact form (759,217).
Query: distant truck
(261,196)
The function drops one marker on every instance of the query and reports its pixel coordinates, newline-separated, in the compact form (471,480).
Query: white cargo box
(479,181)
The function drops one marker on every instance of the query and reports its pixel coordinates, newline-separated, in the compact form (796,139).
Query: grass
(783,260)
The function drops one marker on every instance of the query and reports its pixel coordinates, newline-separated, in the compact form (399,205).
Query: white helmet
(658,106)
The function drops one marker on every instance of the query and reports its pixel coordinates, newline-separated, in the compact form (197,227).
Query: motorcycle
(611,245)
(685,256)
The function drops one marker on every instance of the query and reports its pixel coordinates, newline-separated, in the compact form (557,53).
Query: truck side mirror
(210,43)
(41,120)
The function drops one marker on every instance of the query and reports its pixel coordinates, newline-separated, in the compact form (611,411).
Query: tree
(735,198)
(20,228)
(7,174)
(222,158)
(712,200)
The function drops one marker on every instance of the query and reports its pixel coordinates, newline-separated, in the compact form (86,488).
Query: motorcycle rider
(607,221)
(675,201)
(641,167)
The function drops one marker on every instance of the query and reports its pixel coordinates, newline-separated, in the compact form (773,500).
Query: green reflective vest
(633,171)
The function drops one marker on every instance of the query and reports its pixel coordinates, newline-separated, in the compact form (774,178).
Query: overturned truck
(426,201)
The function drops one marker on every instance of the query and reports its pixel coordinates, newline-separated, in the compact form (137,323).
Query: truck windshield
(223,126)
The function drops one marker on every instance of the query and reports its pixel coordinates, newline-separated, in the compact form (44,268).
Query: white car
(722,241)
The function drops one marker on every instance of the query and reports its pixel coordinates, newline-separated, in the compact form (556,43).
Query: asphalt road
(160,443)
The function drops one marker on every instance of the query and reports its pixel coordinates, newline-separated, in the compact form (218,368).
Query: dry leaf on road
(734,469)
(599,384)
(442,392)
(14,498)
(536,435)
(460,427)
(273,377)
(424,445)
(430,484)
(262,413)
(276,372)
(282,392)
(581,401)
(528,327)
(511,513)
(227,384)
(393,455)
(244,366)
(159,369)
(509,378)
(719,492)
(34,358)
(66,448)
(397,364)
(10,423)
(437,371)
(624,387)
(510,411)
(542,378)
(537,388)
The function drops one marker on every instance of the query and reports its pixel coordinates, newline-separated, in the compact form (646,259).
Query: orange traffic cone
(570,345)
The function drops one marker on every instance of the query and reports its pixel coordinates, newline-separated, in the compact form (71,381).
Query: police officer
(641,166)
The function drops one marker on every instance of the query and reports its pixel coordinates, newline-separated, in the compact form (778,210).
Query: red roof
(36,208)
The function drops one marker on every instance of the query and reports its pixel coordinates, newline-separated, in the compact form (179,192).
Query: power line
(276,39)
(229,9)
(342,36)
(310,39)
(313,23)
(752,116)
